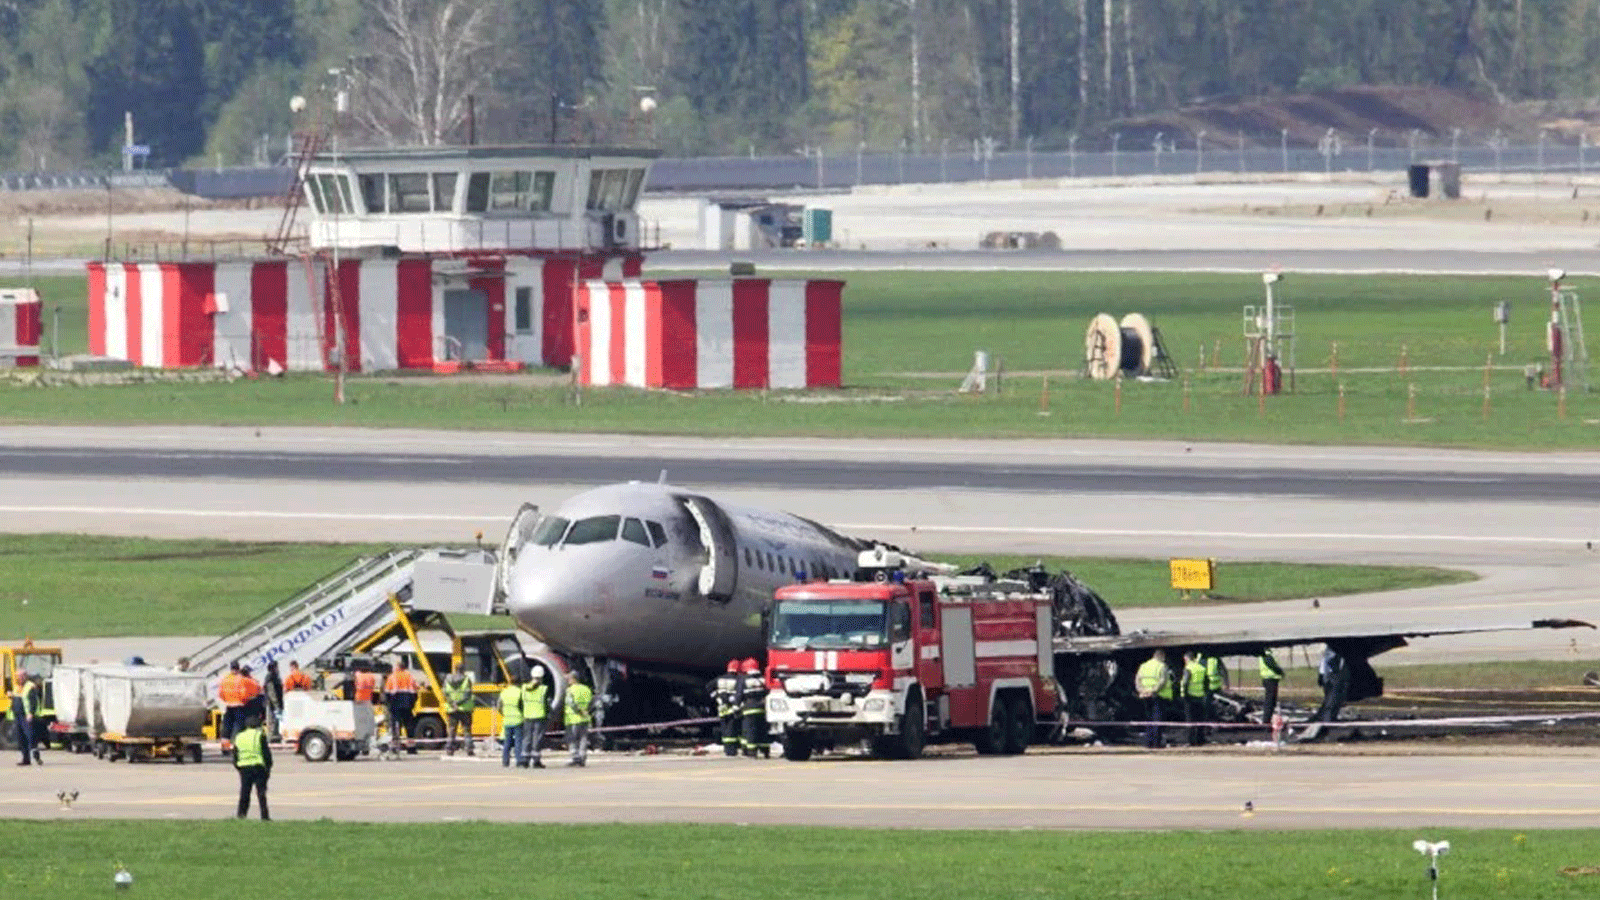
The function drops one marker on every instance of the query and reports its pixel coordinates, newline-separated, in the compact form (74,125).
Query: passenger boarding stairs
(318,621)
(339,611)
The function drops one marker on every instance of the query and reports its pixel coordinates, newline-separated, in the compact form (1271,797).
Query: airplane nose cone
(535,578)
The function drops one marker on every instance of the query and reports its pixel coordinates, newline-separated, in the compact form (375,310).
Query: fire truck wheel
(1019,724)
(796,746)
(913,735)
(993,738)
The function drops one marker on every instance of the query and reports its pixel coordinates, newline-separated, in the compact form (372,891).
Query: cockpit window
(657,533)
(550,530)
(593,531)
(633,530)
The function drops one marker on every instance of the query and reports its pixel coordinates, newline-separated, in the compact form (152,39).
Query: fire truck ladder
(317,621)
(306,147)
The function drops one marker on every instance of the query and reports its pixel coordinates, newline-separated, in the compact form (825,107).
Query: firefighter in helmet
(725,693)
(752,698)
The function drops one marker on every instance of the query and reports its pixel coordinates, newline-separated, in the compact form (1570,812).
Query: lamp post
(1200,151)
(1072,155)
(1283,145)
(1155,148)
(1116,138)
(1455,143)
(1497,142)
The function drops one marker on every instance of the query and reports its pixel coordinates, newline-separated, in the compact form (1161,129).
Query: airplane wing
(1099,668)
(1354,642)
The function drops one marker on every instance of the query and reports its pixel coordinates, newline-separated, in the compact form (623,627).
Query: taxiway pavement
(1054,788)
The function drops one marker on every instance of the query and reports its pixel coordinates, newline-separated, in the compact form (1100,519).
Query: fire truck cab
(902,661)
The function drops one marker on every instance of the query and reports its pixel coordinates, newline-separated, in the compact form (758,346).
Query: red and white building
(19,327)
(688,334)
(416,312)
(489,257)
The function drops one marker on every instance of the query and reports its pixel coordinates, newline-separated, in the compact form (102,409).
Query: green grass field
(203,860)
(910,335)
(87,586)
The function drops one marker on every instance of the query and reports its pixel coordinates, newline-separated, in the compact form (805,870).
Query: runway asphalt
(1294,788)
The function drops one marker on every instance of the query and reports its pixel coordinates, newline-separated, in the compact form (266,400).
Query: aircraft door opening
(466,324)
(721,570)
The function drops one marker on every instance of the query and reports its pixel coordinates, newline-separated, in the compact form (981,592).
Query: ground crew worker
(1153,683)
(511,721)
(579,713)
(43,715)
(1271,675)
(458,703)
(534,712)
(752,694)
(400,693)
(250,689)
(24,707)
(1196,699)
(253,759)
(366,685)
(272,690)
(297,680)
(1333,676)
(231,694)
(1217,679)
(725,692)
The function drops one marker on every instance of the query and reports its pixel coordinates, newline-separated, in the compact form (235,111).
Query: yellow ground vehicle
(33,660)
(426,643)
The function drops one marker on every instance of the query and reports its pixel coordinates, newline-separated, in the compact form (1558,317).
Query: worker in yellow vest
(534,711)
(578,707)
(458,704)
(1196,697)
(1271,676)
(24,710)
(1153,683)
(252,757)
(511,723)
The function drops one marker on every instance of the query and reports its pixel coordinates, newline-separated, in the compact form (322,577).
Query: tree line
(209,81)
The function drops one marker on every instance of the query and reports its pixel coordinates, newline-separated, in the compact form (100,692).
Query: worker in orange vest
(366,686)
(400,693)
(296,680)
(231,693)
(255,701)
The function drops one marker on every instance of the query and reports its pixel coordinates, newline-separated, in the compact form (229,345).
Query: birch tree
(426,58)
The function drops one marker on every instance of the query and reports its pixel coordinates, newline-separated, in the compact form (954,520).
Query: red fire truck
(901,662)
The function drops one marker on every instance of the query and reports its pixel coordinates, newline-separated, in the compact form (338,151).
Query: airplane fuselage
(657,575)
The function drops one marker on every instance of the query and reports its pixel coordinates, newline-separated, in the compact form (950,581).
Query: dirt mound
(23,204)
(1390,114)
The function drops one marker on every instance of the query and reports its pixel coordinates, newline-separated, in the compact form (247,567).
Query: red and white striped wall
(19,327)
(683,335)
(262,314)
